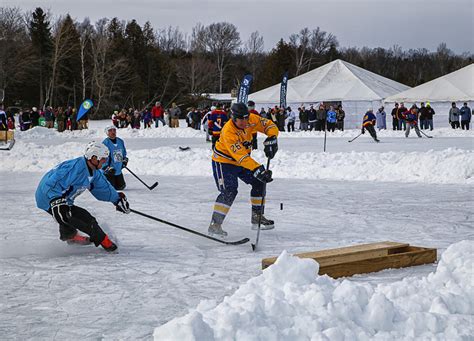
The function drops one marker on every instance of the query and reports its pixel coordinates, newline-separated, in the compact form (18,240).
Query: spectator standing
(49,117)
(281,117)
(303,116)
(466,115)
(174,112)
(34,117)
(321,117)
(312,119)
(196,119)
(25,120)
(146,115)
(263,113)
(422,116)
(381,118)
(429,116)
(331,118)
(136,120)
(400,116)
(454,114)
(3,119)
(157,113)
(395,117)
(340,115)
(61,119)
(291,120)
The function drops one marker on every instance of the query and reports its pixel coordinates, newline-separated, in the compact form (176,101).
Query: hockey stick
(262,209)
(149,187)
(355,137)
(238,242)
(325,130)
(428,136)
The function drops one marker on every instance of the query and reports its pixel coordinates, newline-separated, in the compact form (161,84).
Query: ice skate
(108,245)
(265,224)
(215,229)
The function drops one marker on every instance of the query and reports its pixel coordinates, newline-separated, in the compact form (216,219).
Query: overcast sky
(372,23)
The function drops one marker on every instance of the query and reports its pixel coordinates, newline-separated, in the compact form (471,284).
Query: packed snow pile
(446,166)
(288,301)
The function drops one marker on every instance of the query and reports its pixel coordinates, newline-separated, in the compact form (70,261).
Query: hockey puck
(281,206)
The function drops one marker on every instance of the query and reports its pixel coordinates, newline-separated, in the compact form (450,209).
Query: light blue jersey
(69,179)
(117,154)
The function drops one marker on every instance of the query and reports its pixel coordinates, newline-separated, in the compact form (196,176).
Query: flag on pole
(283,88)
(85,106)
(244,89)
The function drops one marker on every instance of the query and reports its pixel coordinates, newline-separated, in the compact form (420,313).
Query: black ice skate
(265,224)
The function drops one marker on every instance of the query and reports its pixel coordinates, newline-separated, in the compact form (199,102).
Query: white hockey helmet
(97,149)
(109,127)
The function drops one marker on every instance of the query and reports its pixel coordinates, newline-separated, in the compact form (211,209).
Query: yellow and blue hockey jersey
(234,145)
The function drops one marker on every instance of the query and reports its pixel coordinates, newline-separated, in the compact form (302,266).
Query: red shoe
(108,245)
(78,239)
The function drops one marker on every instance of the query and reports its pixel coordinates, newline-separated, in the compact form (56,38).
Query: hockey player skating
(117,158)
(61,185)
(411,118)
(369,124)
(231,161)
(216,121)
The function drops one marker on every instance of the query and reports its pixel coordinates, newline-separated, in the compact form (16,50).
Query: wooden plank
(414,256)
(346,254)
(6,135)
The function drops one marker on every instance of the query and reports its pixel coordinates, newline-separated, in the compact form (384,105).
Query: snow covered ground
(418,191)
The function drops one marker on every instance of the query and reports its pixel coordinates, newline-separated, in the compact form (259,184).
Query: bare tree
(300,43)
(254,51)
(171,40)
(13,42)
(109,72)
(221,40)
(85,30)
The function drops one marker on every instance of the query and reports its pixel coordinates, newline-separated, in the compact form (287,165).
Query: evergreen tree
(42,46)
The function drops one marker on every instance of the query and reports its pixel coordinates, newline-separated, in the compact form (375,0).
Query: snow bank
(288,301)
(445,166)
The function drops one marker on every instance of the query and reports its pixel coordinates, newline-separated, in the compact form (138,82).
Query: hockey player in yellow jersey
(231,160)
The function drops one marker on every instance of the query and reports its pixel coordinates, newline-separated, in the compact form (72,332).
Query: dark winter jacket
(429,113)
(312,115)
(465,113)
(303,115)
(454,114)
(321,114)
(340,114)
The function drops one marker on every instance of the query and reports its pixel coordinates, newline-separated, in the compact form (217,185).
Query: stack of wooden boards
(365,258)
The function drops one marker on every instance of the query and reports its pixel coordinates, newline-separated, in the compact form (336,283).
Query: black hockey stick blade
(184,148)
(153,186)
(237,242)
(428,136)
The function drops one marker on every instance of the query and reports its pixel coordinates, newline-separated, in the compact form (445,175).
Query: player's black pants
(372,131)
(117,181)
(79,219)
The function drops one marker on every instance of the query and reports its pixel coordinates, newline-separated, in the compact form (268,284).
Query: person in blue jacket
(117,158)
(331,119)
(60,186)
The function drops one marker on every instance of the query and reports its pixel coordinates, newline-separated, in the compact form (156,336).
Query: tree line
(53,61)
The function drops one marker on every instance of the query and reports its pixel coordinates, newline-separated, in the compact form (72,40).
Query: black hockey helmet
(239,110)
(251,104)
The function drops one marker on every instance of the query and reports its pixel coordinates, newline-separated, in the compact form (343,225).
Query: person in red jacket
(157,113)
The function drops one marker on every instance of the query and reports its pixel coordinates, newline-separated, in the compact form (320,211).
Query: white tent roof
(455,86)
(335,81)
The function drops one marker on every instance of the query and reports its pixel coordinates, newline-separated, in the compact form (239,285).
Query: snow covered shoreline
(288,301)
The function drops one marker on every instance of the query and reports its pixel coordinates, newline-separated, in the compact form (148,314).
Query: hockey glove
(125,162)
(262,174)
(60,210)
(109,171)
(270,146)
(122,204)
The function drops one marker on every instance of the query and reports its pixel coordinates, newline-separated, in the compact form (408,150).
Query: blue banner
(85,106)
(283,88)
(244,89)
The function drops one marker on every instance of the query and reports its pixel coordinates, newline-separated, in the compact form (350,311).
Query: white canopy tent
(357,89)
(457,86)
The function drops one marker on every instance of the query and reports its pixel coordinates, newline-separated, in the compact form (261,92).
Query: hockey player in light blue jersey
(61,185)
(117,158)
